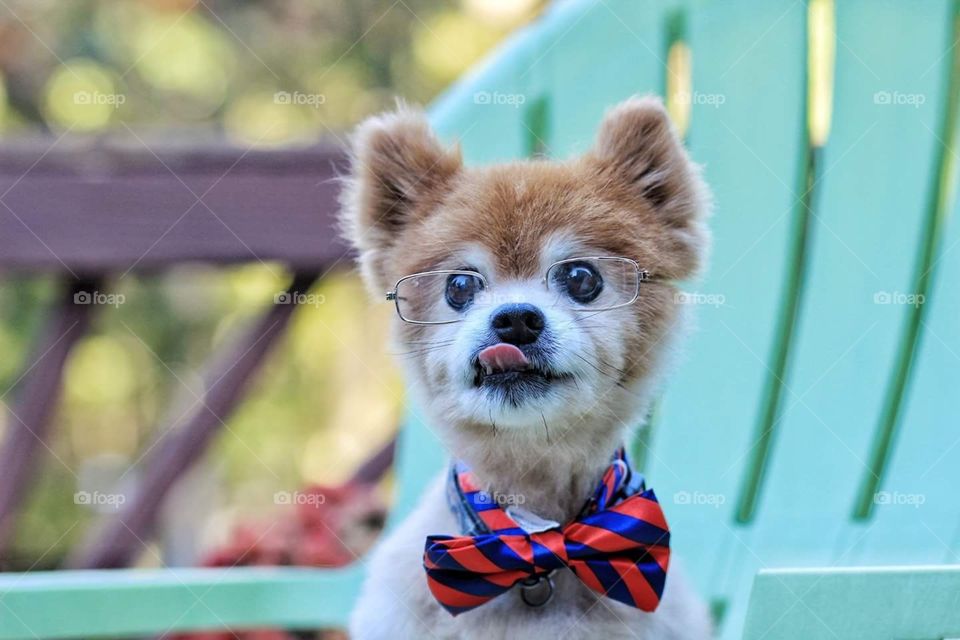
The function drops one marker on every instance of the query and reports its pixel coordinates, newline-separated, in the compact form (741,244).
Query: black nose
(518,323)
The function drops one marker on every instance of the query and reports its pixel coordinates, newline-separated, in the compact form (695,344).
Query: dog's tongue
(503,357)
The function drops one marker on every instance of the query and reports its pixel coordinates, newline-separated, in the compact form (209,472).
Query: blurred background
(257,73)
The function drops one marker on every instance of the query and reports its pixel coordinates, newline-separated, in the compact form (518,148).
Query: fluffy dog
(530,359)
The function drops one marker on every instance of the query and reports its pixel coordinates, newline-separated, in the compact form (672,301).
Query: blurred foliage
(258,72)
(90,65)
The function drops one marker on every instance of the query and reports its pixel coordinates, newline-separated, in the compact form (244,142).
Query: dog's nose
(518,323)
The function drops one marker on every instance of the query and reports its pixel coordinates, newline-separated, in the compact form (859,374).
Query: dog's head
(554,297)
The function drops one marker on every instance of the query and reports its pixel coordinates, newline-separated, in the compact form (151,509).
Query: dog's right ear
(399,173)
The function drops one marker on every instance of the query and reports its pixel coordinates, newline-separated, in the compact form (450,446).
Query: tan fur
(410,205)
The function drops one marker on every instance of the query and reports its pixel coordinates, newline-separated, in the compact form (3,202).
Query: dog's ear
(639,150)
(399,173)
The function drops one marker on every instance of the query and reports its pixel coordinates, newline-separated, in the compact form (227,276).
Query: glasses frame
(642,276)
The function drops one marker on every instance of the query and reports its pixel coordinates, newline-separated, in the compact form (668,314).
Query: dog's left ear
(399,173)
(638,152)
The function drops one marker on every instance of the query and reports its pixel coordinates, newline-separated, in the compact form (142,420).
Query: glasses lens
(441,296)
(594,283)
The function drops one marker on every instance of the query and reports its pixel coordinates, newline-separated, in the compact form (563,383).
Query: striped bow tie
(619,546)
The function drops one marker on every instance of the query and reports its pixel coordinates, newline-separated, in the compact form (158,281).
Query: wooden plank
(489,110)
(124,603)
(36,394)
(888,603)
(226,380)
(869,232)
(101,210)
(917,499)
(609,51)
(747,129)
(376,466)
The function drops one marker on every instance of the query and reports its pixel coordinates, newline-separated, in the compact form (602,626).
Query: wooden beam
(374,467)
(100,209)
(226,380)
(35,395)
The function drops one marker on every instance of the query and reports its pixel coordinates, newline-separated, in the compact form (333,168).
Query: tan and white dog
(520,251)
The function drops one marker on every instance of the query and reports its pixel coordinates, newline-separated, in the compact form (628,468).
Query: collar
(479,512)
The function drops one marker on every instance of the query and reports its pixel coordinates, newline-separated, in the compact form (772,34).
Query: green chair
(809,433)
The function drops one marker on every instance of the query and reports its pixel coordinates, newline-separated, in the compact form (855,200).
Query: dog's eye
(461,288)
(581,281)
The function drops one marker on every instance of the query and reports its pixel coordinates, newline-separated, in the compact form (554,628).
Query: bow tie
(619,546)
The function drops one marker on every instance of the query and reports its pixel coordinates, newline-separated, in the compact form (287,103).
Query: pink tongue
(503,357)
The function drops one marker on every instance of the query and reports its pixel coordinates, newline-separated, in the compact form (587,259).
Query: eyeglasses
(594,283)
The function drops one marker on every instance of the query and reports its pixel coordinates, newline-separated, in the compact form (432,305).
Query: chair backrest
(810,421)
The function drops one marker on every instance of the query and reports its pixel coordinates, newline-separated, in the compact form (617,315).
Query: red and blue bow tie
(619,546)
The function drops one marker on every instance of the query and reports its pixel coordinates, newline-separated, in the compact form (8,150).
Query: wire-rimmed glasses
(592,283)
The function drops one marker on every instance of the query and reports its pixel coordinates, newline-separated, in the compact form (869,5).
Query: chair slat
(918,491)
(747,130)
(487,112)
(612,50)
(875,192)
(918,497)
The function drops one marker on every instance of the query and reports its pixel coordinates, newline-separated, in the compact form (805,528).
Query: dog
(533,339)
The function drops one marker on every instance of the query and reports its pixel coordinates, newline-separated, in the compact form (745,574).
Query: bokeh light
(82,95)
(3,102)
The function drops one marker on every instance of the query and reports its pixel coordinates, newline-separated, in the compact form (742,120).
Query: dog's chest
(573,611)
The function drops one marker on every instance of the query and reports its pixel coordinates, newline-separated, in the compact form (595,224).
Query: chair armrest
(902,603)
(131,602)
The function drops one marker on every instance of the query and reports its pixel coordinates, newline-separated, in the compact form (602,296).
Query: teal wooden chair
(807,448)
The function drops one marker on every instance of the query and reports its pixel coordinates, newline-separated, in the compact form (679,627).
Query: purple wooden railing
(90,211)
